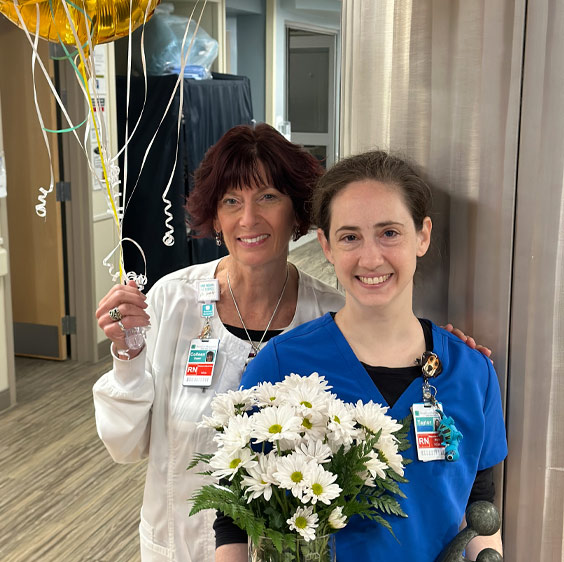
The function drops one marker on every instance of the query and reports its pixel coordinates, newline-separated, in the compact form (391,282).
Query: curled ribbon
(140,279)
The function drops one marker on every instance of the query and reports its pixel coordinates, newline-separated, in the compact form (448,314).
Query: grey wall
(251,41)
(474,92)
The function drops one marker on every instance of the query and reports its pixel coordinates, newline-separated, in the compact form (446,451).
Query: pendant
(430,365)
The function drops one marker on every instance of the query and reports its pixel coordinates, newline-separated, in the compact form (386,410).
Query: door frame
(333,95)
(78,218)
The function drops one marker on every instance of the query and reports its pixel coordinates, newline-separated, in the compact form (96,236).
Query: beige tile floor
(62,498)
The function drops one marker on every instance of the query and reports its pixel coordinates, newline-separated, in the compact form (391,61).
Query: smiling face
(256,224)
(374,245)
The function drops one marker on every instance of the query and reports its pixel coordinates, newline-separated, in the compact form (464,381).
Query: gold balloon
(104,20)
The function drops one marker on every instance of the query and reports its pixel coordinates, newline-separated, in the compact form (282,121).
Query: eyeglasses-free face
(374,245)
(256,224)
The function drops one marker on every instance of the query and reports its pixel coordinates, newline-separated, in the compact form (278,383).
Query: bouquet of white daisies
(293,460)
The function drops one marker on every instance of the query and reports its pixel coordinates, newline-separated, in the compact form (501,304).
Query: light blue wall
(231,29)
(246,6)
(247,26)
(251,41)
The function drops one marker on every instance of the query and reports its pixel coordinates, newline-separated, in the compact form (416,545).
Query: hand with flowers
(296,461)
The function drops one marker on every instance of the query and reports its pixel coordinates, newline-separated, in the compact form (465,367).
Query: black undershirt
(255,335)
(392,383)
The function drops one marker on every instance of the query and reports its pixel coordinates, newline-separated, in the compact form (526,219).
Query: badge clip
(437,435)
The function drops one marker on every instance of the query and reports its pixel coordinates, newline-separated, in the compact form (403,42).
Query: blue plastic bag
(164,33)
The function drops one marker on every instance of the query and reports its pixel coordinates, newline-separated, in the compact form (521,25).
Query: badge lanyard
(202,355)
(437,437)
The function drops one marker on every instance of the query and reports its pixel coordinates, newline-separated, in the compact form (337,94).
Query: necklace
(256,348)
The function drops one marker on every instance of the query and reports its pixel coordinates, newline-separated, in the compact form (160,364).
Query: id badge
(426,420)
(201,362)
(208,290)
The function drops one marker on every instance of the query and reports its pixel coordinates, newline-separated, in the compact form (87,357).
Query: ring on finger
(115,314)
(120,324)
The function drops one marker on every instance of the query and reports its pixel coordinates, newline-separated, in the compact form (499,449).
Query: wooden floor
(62,498)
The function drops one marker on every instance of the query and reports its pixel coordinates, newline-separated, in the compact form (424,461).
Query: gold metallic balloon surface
(105,20)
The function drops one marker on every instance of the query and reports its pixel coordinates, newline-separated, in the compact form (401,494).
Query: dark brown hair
(374,165)
(233,163)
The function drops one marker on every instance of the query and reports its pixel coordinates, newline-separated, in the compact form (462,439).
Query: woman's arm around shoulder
(468,340)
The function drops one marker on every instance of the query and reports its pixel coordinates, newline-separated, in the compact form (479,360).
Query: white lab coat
(142,409)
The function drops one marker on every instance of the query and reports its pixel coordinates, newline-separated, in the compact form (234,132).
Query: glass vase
(294,549)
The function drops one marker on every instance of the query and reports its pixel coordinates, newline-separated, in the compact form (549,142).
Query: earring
(217,238)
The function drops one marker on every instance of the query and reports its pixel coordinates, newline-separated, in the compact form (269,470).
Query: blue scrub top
(437,491)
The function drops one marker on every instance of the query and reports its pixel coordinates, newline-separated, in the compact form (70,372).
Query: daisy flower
(228,404)
(291,473)
(260,478)
(320,485)
(304,521)
(236,435)
(373,418)
(307,399)
(341,425)
(227,464)
(307,394)
(375,466)
(314,425)
(316,450)
(267,394)
(213,422)
(388,452)
(294,381)
(336,518)
(275,423)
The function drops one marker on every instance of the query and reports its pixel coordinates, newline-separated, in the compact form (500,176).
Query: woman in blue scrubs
(372,211)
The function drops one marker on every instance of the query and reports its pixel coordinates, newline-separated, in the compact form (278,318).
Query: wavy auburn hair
(233,163)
